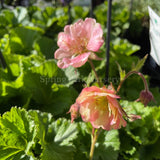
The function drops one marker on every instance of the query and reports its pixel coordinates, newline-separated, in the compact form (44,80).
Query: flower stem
(93,68)
(94,138)
(130,73)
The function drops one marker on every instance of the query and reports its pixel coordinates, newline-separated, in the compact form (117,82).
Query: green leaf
(156,93)
(139,64)
(49,16)
(4,43)
(55,152)
(90,79)
(62,98)
(46,46)
(150,151)
(59,139)
(142,134)
(17,135)
(72,74)
(127,145)
(42,80)
(47,68)
(49,96)
(107,146)
(12,76)
(22,39)
(21,15)
(78,12)
(123,46)
(120,17)
(38,79)
(21,131)
(10,88)
(42,120)
(83,141)
(122,73)
(36,17)
(7,18)
(44,18)
(50,73)
(140,130)
(129,89)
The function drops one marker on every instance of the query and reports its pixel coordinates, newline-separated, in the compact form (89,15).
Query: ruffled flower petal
(76,62)
(77,42)
(100,107)
(60,53)
(89,25)
(64,41)
(80,60)
(96,40)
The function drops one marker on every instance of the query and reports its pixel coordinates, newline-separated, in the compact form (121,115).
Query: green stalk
(95,133)
(96,75)
(94,138)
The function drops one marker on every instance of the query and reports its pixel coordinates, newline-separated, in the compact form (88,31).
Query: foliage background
(35,94)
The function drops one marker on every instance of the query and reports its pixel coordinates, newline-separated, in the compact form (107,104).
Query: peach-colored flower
(78,43)
(100,107)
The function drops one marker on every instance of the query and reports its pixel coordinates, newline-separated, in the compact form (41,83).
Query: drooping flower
(145,97)
(100,107)
(78,43)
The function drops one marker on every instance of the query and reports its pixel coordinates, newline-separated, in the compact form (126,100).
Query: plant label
(154,35)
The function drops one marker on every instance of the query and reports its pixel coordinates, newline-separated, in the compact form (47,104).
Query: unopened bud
(133,117)
(146,97)
(74,110)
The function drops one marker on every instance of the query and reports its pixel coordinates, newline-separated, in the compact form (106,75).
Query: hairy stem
(93,68)
(130,73)
(94,138)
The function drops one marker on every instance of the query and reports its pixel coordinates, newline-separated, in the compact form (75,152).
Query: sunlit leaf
(17,135)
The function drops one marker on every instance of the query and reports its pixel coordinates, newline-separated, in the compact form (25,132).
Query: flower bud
(145,97)
(74,110)
(133,117)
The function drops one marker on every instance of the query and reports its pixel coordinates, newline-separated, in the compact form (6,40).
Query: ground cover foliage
(35,94)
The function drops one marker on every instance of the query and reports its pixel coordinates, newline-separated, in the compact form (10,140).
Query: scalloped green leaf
(107,146)
(17,135)
(121,45)
(22,39)
(42,120)
(49,96)
(150,151)
(58,143)
(143,134)
(46,46)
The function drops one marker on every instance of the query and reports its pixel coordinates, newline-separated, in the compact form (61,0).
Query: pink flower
(100,107)
(78,43)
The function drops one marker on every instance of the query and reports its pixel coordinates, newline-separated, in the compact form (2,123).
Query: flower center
(80,46)
(102,103)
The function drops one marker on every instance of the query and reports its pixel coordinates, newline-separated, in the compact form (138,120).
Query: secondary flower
(100,107)
(78,43)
